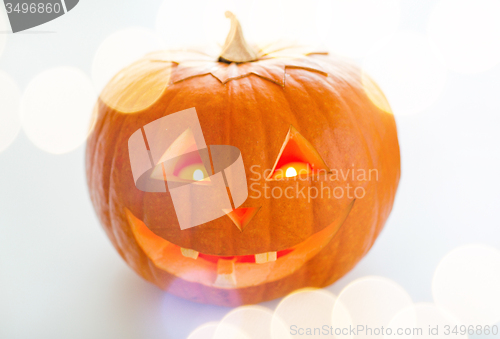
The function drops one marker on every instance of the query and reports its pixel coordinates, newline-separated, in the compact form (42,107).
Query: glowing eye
(297,157)
(198,175)
(290,172)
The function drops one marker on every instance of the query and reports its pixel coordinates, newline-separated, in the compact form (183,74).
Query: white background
(61,278)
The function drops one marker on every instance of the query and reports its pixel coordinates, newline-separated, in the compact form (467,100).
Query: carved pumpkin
(307,124)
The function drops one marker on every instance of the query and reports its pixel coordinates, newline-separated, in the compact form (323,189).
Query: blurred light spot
(178,23)
(56,109)
(375,93)
(205,331)
(255,321)
(466,34)
(138,86)
(466,284)
(121,49)
(341,319)
(228,331)
(372,302)
(304,309)
(10,123)
(403,323)
(354,27)
(407,72)
(425,316)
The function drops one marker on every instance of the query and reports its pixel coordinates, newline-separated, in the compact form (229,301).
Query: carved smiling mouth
(231,271)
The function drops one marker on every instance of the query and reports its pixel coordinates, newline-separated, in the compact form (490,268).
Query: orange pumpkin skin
(250,106)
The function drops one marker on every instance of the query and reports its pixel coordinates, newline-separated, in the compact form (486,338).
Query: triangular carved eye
(297,157)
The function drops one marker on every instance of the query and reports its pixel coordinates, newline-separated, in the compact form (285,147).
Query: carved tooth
(226,276)
(189,253)
(262,258)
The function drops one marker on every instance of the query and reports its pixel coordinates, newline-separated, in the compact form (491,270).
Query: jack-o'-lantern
(321,161)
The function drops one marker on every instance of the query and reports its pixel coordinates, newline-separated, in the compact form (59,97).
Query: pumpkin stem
(236,48)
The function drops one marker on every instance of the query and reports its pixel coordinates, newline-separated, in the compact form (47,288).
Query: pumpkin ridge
(262,132)
(108,191)
(274,234)
(376,217)
(100,211)
(317,108)
(228,131)
(109,153)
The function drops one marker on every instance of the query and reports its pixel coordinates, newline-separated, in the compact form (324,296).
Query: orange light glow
(292,169)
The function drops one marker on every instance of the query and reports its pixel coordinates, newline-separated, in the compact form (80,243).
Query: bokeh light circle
(420,321)
(254,321)
(56,109)
(407,71)
(227,331)
(355,27)
(119,50)
(179,25)
(10,122)
(466,34)
(372,302)
(306,308)
(205,331)
(467,284)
